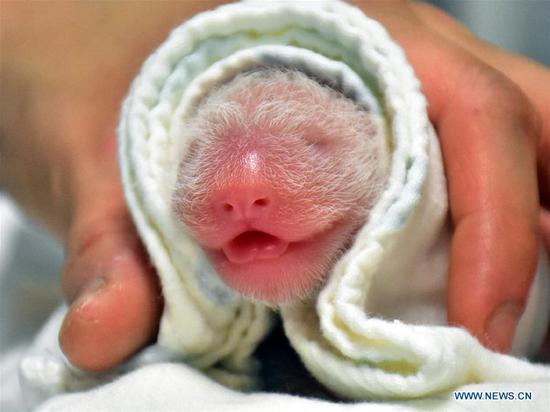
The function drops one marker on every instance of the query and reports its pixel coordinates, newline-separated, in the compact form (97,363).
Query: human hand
(491,110)
(65,70)
(488,134)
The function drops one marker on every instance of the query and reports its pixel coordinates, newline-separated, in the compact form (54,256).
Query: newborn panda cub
(280,175)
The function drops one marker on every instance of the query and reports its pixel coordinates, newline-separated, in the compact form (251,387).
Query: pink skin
(268,188)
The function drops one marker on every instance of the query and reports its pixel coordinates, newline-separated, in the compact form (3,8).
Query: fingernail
(501,326)
(89,289)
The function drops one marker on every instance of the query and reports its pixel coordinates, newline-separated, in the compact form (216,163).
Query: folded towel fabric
(395,269)
(377,328)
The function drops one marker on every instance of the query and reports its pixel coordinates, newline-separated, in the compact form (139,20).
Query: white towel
(377,328)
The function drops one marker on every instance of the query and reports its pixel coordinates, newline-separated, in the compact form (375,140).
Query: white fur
(338,158)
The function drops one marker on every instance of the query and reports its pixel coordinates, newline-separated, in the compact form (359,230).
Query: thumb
(115,298)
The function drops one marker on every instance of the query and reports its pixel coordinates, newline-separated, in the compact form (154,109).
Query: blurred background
(521,26)
(30,260)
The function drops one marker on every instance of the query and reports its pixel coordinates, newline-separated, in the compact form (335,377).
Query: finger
(487,132)
(494,210)
(487,135)
(115,299)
